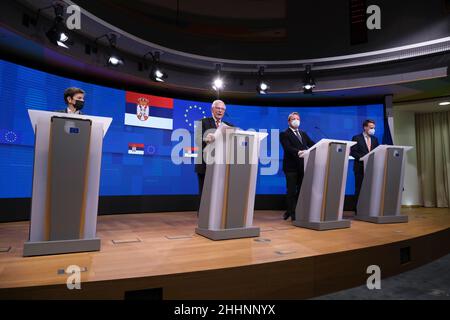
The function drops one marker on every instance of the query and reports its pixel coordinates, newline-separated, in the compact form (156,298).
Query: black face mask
(79,104)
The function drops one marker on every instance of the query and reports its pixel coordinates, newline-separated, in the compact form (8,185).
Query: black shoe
(286,215)
(292,217)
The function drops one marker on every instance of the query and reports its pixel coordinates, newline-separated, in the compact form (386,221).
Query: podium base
(225,234)
(42,248)
(383,219)
(323,225)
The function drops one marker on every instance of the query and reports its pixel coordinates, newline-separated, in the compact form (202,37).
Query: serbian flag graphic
(136,148)
(190,152)
(144,110)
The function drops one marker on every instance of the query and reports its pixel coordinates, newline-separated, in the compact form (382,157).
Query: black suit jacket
(207,124)
(291,146)
(65,111)
(360,149)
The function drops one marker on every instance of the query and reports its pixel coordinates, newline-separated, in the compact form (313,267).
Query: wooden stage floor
(161,250)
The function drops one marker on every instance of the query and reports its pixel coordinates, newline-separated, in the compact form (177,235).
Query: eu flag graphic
(9,136)
(187,112)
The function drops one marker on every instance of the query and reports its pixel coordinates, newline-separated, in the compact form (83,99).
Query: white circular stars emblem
(10,137)
(197,110)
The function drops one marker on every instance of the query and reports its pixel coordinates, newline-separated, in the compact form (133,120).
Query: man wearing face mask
(74,99)
(365,142)
(294,143)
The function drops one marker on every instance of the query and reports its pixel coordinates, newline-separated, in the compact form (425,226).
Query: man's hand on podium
(300,153)
(209,138)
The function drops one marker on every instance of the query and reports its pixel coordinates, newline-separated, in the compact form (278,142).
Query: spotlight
(444,103)
(58,38)
(58,34)
(63,37)
(262,87)
(308,86)
(113,58)
(218,83)
(308,81)
(156,74)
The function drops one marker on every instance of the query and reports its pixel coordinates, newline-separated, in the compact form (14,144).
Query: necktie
(299,136)
(368,142)
(217,123)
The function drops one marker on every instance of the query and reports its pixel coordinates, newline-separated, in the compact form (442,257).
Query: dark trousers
(293,185)
(201,181)
(359,176)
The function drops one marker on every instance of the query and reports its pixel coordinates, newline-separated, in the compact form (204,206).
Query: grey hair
(215,102)
(293,114)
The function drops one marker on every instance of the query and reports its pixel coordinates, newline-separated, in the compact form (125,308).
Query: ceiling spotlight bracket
(154,55)
(58,8)
(156,73)
(261,69)
(218,67)
(307,67)
(111,37)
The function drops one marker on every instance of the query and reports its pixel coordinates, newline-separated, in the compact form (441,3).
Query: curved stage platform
(159,256)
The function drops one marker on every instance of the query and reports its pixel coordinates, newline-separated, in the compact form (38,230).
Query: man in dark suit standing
(74,99)
(294,143)
(365,142)
(206,136)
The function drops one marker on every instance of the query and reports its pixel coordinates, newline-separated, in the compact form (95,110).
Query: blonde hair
(293,114)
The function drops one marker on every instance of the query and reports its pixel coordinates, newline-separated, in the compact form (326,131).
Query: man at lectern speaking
(365,142)
(294,142)
(218,109)
(74,99)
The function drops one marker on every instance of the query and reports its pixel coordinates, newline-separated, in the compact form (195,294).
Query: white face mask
(295,123)
(371,132)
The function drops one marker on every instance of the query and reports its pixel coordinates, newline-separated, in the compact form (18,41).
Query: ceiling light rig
(308,81)
(156,73)
(218,83)
(113,58)
(262,87)
(58,34)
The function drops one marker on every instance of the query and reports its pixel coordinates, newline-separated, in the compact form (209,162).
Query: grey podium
(66,176)
(321,199)
(228,197)
(381,191)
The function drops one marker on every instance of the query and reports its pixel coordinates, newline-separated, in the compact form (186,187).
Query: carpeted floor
(429,282)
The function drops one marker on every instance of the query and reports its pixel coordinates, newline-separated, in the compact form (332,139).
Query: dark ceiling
(213,31)
(270,29)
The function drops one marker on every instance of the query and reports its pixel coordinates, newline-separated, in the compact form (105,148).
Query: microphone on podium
(226,114)
(321,131)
